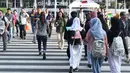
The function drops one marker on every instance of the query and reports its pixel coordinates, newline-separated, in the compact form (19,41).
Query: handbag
(75,38)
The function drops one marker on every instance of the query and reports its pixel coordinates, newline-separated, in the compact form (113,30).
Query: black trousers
(17,28)
(44,40)
(50,27)
(85,49)
(22,31)
(125,46)
(68,51)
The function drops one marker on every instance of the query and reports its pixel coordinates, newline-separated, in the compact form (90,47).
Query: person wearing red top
(15,22)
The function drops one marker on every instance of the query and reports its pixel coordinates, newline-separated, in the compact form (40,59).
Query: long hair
(42,18)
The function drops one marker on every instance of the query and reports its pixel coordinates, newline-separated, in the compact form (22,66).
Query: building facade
(30,3)
(51,3)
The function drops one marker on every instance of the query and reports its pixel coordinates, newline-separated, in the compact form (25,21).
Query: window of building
(2,3)
(18,3)
(10,3)
(28,3)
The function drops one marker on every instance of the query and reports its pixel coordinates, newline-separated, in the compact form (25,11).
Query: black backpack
(4,20)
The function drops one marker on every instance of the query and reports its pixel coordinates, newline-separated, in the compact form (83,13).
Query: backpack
(117,46)
(75,38)
(2,27)
(98,49)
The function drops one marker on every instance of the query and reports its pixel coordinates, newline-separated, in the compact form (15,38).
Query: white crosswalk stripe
(22,57)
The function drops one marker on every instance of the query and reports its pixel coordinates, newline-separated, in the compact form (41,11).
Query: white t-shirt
(23,18)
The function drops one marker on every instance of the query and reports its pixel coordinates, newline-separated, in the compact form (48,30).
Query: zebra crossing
(22,57)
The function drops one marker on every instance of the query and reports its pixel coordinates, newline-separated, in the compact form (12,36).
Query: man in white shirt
(23,21)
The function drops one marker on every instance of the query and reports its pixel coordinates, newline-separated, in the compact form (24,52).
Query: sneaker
(4,50)
(127,59)
(71,70)
(61,48)
(89,65)
(9,42)
(76,69)
(44,56)
(34,42)
(17,34)
(24,38)
(85,57)
(40,53)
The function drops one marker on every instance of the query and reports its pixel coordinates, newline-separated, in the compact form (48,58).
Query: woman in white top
(76,44)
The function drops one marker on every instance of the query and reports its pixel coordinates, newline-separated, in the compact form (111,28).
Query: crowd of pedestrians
(90,32)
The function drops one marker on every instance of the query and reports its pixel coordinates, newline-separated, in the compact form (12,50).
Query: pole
(115,6)
(106,4)
(7,3)
(124,4)
(55,7)
(35,3)
(68,2)
(21,3)
(68,5)
(15,4)
(44,4)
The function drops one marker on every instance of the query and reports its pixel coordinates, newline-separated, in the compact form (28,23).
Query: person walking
(75,43)
(96,33)
(42,32)
(60,29)
(23,21)
(9,16)
(3,29)
(114,61)
(125,28)
(87,52)
(32,16)
(15,22)
(66,35)
(49,22)
(36,18)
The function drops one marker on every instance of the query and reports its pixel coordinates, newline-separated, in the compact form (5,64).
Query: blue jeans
(33,27)
(10,34)
(89,56)
(13,30)
(96,64)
